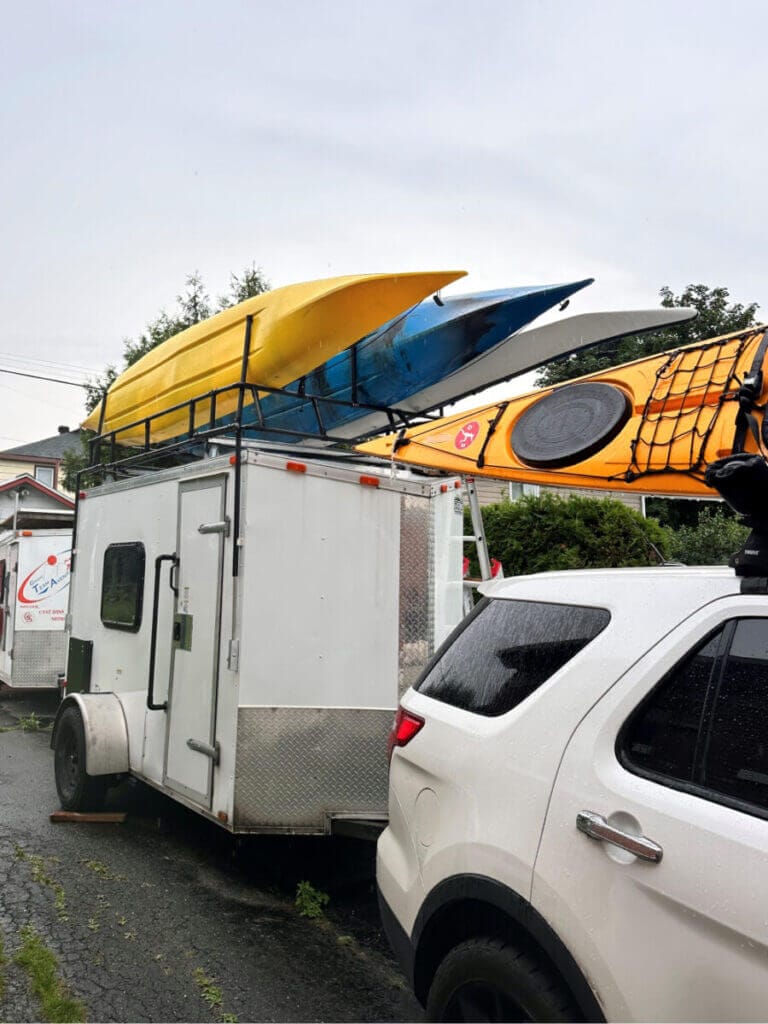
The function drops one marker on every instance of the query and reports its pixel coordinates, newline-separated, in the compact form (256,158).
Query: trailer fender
(105,728)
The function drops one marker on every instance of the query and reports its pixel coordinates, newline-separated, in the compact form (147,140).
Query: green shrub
(712,541)
(536,534)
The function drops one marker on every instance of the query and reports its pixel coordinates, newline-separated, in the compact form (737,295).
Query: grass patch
(40,875)
(310,902)
(30,722)
(56,1002)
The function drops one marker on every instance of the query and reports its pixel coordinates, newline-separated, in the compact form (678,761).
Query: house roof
(49,448)
(25,480)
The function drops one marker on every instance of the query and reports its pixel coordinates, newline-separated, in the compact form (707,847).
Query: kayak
(293,330)
(650,426)
(525,351)
(400,359)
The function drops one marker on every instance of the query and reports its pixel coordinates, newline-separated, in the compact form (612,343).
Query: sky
(526,141)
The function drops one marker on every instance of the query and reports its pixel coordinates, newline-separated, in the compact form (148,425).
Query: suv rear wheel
(489,979)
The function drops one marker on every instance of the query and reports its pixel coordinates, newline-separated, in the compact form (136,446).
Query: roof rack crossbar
(248,420)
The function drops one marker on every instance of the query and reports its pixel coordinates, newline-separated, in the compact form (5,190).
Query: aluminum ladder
(478,538)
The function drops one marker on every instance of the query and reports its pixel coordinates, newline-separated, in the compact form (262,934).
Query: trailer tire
(77,790)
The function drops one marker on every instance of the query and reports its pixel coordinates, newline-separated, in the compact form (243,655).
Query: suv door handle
(596,827)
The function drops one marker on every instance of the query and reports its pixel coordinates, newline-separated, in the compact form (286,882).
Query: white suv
(579,803)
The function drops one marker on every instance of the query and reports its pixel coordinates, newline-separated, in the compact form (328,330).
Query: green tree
(678,512)
(716,536)
(536,534)
(192,306)
(714,317)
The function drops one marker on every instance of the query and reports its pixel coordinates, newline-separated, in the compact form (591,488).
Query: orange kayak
(651,426)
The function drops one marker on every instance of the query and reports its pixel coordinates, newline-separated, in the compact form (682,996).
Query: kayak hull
(291,330)
(430,343)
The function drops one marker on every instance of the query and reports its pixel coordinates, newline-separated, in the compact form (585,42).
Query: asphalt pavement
(168,918)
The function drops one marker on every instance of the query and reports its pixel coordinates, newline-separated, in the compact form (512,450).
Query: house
(490,491)
(40,459)
(27,504)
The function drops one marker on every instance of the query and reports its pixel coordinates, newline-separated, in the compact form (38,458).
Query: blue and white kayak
(414,351)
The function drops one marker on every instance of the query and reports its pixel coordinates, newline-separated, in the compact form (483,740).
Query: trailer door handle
(222,527)
(596,827)
(205,748)
(173,559)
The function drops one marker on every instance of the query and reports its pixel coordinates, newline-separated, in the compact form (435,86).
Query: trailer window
(122,587)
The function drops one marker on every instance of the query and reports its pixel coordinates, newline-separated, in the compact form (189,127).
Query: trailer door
(191,746)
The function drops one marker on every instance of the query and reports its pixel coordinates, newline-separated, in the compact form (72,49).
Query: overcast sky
(527,142)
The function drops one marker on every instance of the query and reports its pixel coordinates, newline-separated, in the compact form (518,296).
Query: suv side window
(736,758)
(704,725)
(505,651)
(661,736)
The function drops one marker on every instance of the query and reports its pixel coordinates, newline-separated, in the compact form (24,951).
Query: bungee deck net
(688,398)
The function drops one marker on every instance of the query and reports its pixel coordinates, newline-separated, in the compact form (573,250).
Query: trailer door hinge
(233,656)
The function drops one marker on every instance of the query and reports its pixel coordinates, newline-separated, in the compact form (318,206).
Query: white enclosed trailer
(241,629)
(34,589)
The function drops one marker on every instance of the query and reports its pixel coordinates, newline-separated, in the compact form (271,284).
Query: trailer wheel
(77,790)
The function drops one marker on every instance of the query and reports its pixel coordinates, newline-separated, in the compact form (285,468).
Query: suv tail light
(404,728)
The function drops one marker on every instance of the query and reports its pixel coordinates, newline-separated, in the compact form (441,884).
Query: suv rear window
(505,650)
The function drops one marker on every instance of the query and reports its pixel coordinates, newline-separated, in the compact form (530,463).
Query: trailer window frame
(132,583)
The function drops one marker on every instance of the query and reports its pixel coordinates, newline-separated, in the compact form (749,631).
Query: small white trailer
(34,590)
(241,628)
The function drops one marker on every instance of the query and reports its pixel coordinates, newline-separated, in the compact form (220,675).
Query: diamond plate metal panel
(295,766)
(38,657)
(417,613)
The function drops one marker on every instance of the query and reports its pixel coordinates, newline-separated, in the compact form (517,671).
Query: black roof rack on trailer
(112,458)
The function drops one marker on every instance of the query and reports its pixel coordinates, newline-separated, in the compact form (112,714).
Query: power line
(53,364)
(52,380)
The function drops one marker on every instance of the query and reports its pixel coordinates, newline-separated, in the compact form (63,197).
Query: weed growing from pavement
(213,995)
(56,1002)
(40,875)
(101,869)
(30,722)
(310,902)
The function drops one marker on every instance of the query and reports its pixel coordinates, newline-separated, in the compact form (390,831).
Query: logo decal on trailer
(49,578)
(466,435)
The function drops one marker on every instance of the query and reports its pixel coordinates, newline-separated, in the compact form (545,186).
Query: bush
(713,540)
(536,534)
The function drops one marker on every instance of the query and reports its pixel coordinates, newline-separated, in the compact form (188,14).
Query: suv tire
(489,979)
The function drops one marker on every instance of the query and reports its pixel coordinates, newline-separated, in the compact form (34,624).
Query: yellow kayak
(294,329)
(650,426)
